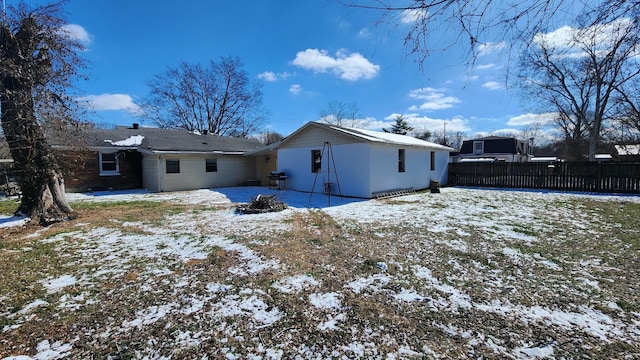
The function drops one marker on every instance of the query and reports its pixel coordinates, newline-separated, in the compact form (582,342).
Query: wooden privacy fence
(611,177)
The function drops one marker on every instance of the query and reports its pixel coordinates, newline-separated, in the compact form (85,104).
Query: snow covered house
(156,159)
(320,157)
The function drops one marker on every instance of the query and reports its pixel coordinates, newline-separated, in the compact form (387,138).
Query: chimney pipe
(205,132)
(135,126)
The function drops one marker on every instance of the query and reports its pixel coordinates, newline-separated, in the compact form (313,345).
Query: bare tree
(579,76)
(270,137)
(423,134)
(453,140)
(218,98)
(626,123)
(487,25)
(39,61)
(339,112)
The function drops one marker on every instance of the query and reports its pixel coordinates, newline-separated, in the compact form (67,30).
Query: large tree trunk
(41,181)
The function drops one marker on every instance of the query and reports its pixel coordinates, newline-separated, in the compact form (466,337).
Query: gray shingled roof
(165,140)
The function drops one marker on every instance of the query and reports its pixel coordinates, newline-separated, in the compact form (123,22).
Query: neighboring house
(494,148)
(156,159)
(352,162)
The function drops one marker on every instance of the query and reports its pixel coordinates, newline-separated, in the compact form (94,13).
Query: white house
(361,163)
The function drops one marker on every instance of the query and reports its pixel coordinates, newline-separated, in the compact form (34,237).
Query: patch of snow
(188,339)
(134,140)
(57,284)
(534,352)
(48,351)
(408,296)
(589,320)
(74,303)
(149,315)
(294,284)
(375,282)
(457,299)
(382,266)
(329,300)
(13,221)
(254,307)
(332,322)
(31,306)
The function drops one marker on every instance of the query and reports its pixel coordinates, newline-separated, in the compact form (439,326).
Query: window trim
(478,150)
(211,167)
(101,161)
(402,160)
(166,166)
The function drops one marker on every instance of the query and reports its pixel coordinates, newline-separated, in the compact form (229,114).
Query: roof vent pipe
(205,131)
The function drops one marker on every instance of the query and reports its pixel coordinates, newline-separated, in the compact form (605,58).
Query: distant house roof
(493,137)
(495,145)
(362,135)
(156,140)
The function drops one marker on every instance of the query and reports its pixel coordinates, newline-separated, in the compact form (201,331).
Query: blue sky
(305,53)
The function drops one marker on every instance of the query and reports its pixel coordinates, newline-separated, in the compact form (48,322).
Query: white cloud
(347,66)
(532,119)
(493,85)
(410,16)
(490,48)
(105,102)
(420,123)
(78,33)
(434,99)
(507,133)
(295,89)
(270,76)
(485,66)
(602,34)
(364,33)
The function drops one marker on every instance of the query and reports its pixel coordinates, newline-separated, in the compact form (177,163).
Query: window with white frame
(478,147)
(109,165)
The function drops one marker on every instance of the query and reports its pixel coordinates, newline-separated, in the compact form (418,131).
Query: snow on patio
(153,260)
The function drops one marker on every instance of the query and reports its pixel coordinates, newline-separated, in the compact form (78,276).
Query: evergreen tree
(401,126)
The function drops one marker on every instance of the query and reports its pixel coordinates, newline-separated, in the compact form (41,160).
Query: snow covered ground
(464,273)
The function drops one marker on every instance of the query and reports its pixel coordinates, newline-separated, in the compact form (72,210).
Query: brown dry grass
(333,252)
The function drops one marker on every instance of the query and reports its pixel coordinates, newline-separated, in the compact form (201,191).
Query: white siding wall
(150,171)
(384,170)
(363,168)
(441,171)
(351,165)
